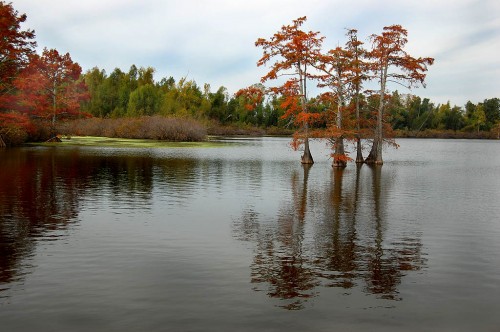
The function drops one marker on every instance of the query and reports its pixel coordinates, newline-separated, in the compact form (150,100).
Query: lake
(241,237)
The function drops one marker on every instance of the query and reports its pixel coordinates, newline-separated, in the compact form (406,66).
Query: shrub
(146,127)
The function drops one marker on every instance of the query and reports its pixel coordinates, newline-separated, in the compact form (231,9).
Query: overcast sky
(212,41)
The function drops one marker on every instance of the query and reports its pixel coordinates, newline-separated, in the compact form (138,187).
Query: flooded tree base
(339,164)
(307,158)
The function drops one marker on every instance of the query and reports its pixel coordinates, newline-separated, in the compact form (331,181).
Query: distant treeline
(135,93)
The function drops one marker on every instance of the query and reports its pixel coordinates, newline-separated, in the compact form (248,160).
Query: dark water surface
(241,237)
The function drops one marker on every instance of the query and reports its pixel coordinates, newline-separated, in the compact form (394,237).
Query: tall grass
(146,127)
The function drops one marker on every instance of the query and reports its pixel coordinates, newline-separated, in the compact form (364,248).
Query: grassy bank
(125,143)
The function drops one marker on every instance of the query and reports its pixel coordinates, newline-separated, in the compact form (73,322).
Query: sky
(213,41)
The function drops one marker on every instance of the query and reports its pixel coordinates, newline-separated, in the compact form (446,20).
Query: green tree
(113,94)
(454,119)
(145,76)
(420,113)
(94,79)
(184,99)
(479,118)
(475,118)
(398,112)
(492,112)
(218,104)
(145,100)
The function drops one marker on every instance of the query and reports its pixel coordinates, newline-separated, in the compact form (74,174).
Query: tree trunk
(339,158)
(306,158)
(54,106)
(357,85)
(359,153)
(375,156)
(54,110)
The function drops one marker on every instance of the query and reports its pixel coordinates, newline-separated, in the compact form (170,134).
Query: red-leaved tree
(391,63)
(338,76)
(292,53)
(16,45)
(14,128)
(358,68)
(50,87)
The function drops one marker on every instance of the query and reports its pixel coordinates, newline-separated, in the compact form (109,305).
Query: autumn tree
(50,86)
(358,67)
(391,63)
(292,52)
(343,72)
(14,128)
(16,45)
(337,76)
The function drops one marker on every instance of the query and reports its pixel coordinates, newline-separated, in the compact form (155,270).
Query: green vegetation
(135,93)
(412,116)
(126,143)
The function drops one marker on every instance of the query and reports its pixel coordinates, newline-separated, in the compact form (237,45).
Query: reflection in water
(176,239)
(350,247)
(37,196)
(42,190)
(279,258)
(338,243)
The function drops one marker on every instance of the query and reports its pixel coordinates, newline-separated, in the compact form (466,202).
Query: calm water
(241,237)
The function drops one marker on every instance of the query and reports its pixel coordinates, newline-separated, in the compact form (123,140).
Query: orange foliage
(15,45)
(388,51)
(341,157)
(294,51)
(15,128)
(8,120)
(253,96)
(50,86)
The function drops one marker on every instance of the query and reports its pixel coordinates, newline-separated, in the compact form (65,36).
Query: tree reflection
(42,191)
(383,274)
(279,262)
(337,237)
(330,236)
(38,195)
